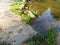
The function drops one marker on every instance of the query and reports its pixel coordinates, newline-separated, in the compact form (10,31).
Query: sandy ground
(12,29)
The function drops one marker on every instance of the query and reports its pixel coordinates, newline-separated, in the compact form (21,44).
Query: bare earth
(12,29)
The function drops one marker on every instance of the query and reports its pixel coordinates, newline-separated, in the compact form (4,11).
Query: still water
(44,22)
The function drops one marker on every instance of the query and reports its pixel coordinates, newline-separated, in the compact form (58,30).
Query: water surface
(44,22)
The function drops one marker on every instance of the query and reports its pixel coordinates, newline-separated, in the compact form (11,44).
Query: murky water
(44,22)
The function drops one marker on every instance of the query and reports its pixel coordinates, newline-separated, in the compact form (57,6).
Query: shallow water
(44,22)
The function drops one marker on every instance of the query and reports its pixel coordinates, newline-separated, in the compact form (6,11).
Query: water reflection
(43,22)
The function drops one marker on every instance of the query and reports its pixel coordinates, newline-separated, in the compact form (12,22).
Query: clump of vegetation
(35,40)
(35,13)
(51,37)
(26,18)
(41,40)
(15,7)
(38,39)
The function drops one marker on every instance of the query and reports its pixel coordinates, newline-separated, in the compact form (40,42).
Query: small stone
(31,14)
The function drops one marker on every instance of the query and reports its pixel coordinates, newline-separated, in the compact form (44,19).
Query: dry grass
(42,6)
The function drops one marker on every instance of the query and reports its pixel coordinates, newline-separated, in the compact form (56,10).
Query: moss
(35,13)
(26,18)
(15,7)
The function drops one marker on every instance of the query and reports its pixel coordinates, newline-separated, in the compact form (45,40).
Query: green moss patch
(26,18)
(15,7)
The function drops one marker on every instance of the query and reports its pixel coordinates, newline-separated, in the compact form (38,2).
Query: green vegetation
(37,8)
(35,40)
(4,43)
(15,7)
(40,40)
(50,37)
(26,18)
(35,13)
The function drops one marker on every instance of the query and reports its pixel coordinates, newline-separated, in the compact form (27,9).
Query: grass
(42,6)
(36,8)
(41,40)
(15,7)
(35,13)
(51,37)
(35,40)
(26,18)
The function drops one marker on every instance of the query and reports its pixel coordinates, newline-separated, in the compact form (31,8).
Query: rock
(26,8)
(14,30)
(58,34)
(21,6)
(24,0)
(31,14)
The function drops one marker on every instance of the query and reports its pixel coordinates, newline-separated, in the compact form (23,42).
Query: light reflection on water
(44,22)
